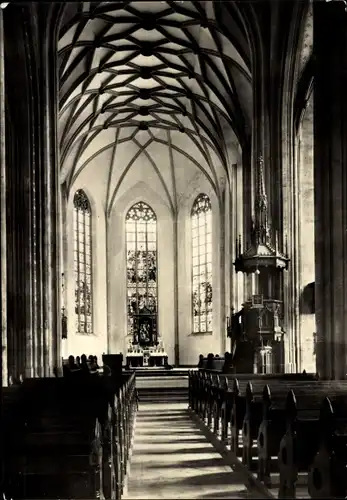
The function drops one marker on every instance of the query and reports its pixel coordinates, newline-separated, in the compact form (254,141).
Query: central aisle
(172,459)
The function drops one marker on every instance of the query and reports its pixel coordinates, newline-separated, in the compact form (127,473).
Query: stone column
(224,248)
(247,197)
(176,292)
(3,230)
(108,291)
(43,346)
(50,203)
(330,163)
(19,189)
(64,261)
(30,202)
(237,285)
(37,289)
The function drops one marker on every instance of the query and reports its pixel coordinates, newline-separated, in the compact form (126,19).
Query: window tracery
(141,248)
(201,225)
(82,263)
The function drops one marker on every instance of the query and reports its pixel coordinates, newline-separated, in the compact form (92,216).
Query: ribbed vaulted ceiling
(134,74)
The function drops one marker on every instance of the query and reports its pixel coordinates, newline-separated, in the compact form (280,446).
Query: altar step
(156,372)
(163,396)
(162,389)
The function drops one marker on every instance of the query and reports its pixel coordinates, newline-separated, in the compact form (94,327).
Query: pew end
(327,473)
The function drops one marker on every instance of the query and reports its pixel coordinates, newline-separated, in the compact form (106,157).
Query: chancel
(173,248)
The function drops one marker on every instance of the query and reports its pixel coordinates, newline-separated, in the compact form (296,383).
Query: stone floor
(172,459)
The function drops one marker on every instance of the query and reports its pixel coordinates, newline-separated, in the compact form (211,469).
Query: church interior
(173,203)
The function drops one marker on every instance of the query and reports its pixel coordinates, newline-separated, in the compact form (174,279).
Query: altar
(145,348)
(140,357)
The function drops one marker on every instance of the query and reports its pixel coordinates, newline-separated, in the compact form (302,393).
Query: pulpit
(262,322)
(262,314)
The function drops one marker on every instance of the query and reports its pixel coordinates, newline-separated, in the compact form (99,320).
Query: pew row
(72,440)
(289,432)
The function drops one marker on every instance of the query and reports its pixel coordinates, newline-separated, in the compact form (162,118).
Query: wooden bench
(327,474)
(11,420)
(228,395)
(64,426)
(304,432)
(221,399)
(62,463)
(76,441)
(204,394)
(284,416)
(198,382)
(124,411)
(274,419)
(246,407)
(265,420)
(217,364)
(253,406)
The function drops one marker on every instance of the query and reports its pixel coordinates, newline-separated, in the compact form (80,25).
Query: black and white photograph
(173,267)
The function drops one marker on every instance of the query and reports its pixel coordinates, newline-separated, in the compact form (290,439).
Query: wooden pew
(266,410)
(61,450)
(265,419)
(207,395)
(274,419)
(62,463)
(246,409)
(11,420)
(124,412)
(223,398)
(327,474)
(199,394)
(303,436)
(75,441)
(217,364)
(202,393)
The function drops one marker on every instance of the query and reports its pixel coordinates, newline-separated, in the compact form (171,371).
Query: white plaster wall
(140,190)
(192,344)
(149,178)
(96,343)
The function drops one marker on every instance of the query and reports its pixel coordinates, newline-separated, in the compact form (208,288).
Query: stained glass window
(82,263)
(141,248)
(201,218)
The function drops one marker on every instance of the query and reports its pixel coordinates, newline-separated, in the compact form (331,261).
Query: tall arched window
(201,217)
(83,263)
(141,248)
